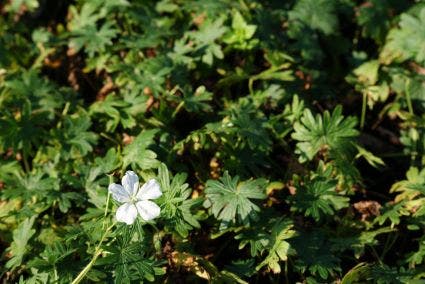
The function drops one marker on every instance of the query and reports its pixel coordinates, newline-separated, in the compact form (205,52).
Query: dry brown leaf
(368,208)
(127,139)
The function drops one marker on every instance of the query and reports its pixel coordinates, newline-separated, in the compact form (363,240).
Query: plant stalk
(97,252)
(408,98)
(363,116)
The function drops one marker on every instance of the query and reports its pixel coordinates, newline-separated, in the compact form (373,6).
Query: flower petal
(126,213)
(148,210)
(118,193)
(150,190)
(130,182)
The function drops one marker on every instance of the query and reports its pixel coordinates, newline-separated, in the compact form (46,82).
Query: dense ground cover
(286,139)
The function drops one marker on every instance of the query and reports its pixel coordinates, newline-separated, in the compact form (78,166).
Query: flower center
(133,199)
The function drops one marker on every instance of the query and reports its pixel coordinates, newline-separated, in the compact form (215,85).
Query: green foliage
(178,207)
(201,44)
(407,41)
(74,137)
(317,15)
(116,111)
(315,255)
(318,197)
(330,132)
(239,37)
(375,19)
(21,235)
(129,264)
(137,153)
(231,201)
(91,39)
(234,109)
(277,247)
(194,101)
(379,273)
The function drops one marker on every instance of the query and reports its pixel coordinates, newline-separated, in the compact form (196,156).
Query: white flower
(135,200)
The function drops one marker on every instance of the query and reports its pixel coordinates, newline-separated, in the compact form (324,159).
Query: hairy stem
(363,115)
(96,254)
(408,98)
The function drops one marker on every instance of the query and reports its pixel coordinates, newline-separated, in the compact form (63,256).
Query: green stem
(394,155)
(64,113)
(389,244)
(25,159)
(104,135)
(178,108)
(66,108)
(55,272)
(364,103)
(244,5)
(408,99)
(97,252)
(251,85)
(376,255)
(106,207)
(286,272)
(87,268)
